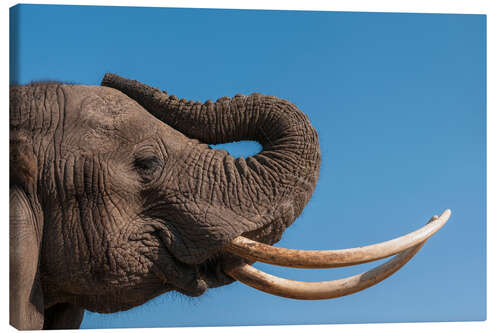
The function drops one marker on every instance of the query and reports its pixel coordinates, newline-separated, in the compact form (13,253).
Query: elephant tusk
(320,290)
(256,251)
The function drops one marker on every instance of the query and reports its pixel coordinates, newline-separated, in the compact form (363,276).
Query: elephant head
(116,198)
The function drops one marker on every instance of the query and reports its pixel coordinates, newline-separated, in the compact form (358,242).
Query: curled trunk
(258,196)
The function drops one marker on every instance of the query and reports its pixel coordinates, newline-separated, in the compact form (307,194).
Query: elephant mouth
(204,276)
(402,248)
(194,279)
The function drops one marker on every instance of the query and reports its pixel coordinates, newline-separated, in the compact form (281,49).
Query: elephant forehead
(106,108)
(102,116)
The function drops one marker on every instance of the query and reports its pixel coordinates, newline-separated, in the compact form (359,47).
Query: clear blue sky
(398,100)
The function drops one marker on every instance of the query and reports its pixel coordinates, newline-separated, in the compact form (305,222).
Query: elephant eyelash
(147,166)
(146,163)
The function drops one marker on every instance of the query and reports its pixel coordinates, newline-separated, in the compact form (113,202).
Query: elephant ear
(26,298)
(25,234)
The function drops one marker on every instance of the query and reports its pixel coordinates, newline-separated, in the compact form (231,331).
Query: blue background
(399,102)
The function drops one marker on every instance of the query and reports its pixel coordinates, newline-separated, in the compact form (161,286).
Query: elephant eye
(147,167)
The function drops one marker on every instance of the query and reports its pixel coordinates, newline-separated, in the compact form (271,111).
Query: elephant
(116,197)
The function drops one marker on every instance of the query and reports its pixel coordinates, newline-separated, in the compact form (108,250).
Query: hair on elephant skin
(116,197)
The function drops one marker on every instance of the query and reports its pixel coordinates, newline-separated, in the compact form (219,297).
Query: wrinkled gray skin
(116,197)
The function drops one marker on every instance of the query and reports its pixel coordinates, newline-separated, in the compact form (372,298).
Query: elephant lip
(195,279)
(211,273)
(193,287)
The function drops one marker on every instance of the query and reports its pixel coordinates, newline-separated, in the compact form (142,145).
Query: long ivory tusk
(320,290)
(253,250)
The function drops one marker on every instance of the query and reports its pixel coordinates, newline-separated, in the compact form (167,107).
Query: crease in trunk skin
(258,196)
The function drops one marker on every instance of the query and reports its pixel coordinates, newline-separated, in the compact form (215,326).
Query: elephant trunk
(265,192)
